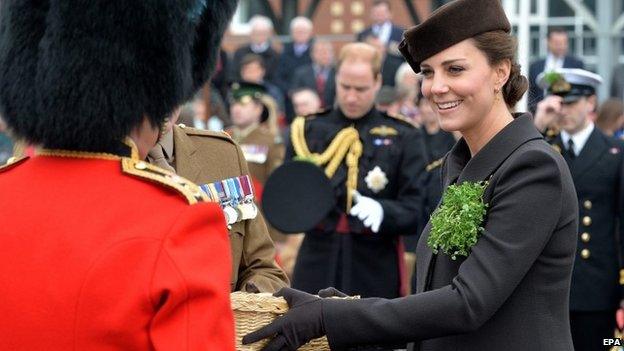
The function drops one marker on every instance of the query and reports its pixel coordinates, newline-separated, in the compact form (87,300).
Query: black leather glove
(302,323)
(331,292)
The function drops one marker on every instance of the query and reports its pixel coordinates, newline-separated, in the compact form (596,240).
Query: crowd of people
(395,120)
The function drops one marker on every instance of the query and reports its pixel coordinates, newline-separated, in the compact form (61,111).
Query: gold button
(587,204)
(587,221)
(11,160)
(140,165)
(585,254)
(585,237)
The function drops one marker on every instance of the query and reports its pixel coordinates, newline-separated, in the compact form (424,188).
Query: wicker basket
(252,311)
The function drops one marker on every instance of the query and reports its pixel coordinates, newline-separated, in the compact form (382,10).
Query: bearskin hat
(79,75)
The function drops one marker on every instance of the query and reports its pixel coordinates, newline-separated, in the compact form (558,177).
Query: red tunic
(94,258)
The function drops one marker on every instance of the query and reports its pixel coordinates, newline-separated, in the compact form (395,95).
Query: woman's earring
(496,94)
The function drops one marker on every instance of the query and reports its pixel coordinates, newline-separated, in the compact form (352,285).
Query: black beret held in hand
(449,25)
(80,75)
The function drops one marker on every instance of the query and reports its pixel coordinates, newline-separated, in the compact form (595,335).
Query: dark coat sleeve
(399,212)
(529,188)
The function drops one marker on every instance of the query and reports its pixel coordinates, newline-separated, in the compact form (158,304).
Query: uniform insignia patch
(255,153)
(383,131)
(380,141)
(376,179)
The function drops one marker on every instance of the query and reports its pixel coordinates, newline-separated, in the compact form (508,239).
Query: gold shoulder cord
(346,144)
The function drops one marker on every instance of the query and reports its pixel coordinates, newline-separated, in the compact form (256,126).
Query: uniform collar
(579,138)
(461,167)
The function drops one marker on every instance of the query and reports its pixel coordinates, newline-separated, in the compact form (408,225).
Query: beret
(297,196)
(449,25)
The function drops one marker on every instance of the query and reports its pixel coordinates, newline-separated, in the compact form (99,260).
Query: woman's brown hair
(498,46)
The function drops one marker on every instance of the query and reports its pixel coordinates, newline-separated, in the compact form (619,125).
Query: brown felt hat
(449,25)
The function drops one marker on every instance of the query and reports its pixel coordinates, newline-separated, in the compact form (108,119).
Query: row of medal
(236,197)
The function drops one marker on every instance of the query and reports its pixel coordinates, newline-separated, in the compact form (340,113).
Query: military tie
(570,150)
(157,155)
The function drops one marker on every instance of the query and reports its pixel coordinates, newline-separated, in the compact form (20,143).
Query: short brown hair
(608,114)
(361,52)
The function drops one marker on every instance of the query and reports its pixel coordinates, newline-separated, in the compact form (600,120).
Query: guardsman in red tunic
(98,249)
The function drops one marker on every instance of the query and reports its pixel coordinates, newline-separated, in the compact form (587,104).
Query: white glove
(368,211)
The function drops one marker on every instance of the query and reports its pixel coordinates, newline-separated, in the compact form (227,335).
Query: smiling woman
(511,289)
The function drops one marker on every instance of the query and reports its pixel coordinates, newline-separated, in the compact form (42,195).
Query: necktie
(158,158)
(571,152)
(320,85)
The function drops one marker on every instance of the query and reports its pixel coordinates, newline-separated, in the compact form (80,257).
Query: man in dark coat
(557,58)
(596,162)
(296,53)
(260,36)
(319,75)
(358,250)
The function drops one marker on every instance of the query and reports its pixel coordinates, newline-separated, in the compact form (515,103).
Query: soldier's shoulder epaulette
(320,113)
(143,170)
(207,133)
(435,164)
(402,119)
(13,162)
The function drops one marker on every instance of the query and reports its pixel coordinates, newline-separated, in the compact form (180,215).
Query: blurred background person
(557,57)
(391,60)
(253,69)
(305,101)
(617,82)
(254,128)
(6,143)
(260,37)
(610,119)
(196,113)
(407,83)
(382,28)
(320,75)
(296,52)
(387,100)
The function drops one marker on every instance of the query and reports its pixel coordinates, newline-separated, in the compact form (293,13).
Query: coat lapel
(460,167)
(594,148)
(184,149)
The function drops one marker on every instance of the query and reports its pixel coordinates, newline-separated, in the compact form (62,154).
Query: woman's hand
(302,323)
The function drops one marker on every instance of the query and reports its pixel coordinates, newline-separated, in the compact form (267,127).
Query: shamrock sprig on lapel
(456,224)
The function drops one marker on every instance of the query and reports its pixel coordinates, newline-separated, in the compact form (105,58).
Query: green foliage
(456,224)
(552,77)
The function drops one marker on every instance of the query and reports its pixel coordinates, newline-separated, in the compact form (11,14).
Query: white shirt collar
(553,62)
(579,139)
(384,31)
(257,49)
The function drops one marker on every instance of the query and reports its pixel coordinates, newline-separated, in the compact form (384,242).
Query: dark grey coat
(511,292)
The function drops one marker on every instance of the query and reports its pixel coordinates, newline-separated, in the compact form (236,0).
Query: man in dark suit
(296,53)
(595,161)
(557,58)
(260,36)
(386,36)
(320,74)
(382,27)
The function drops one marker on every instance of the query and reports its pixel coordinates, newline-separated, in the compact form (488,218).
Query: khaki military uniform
(205,157)
(264,152)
